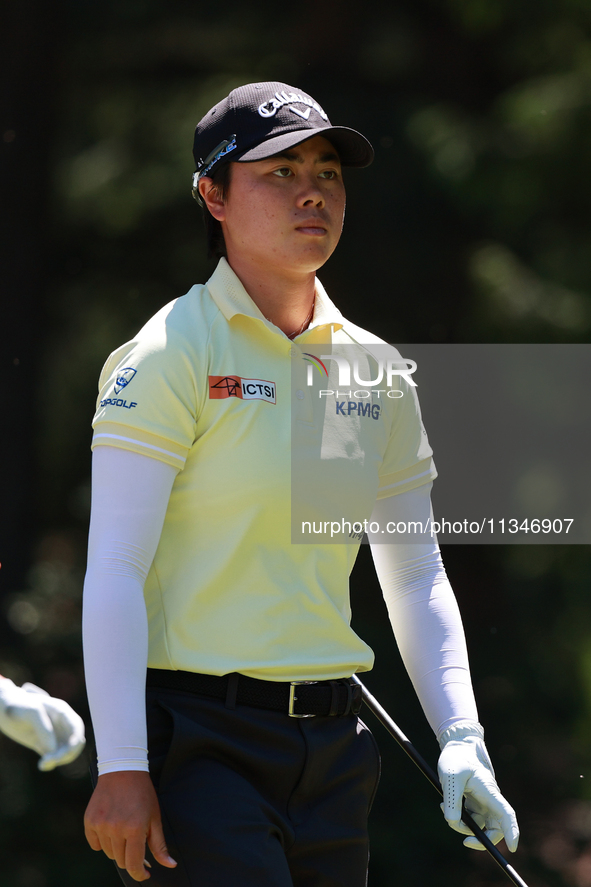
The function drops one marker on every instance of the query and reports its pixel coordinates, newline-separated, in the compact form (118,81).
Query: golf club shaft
(407,746)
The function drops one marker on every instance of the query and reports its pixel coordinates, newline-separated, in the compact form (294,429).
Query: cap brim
(353,148)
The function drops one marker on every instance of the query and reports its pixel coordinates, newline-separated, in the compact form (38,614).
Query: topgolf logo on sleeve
(123,379)
(246,389)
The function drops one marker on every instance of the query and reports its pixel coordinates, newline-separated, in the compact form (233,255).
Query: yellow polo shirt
(214,389)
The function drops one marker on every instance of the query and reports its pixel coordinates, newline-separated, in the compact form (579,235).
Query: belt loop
(334,699)
(232,690)
(349,699)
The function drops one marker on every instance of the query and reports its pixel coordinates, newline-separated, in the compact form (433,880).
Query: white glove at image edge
(47,725)
(465,769)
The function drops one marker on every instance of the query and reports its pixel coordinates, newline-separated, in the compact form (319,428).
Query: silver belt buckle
(293,699)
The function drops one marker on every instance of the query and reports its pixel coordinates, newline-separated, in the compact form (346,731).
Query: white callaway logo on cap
(270,108)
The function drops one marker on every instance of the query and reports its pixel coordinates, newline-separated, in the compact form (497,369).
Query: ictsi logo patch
(245,389)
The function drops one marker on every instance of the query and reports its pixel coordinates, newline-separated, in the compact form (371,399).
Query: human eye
(329,174)
(284,172)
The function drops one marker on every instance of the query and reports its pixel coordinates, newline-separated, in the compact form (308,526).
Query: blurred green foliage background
(472,225)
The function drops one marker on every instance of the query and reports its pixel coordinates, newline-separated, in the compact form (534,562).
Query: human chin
(314,252)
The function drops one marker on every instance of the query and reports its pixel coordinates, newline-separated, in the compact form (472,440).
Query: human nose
(310,193)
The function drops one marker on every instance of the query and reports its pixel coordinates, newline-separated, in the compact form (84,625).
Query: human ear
(211,197)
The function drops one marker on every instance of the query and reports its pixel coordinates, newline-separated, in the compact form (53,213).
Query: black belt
(298,699)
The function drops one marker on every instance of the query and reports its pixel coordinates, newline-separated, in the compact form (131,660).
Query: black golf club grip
(407,746)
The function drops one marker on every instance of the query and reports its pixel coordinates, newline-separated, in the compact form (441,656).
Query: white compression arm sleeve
(424,613)
(130,495)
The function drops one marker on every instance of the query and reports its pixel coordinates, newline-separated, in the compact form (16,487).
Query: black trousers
(254,798)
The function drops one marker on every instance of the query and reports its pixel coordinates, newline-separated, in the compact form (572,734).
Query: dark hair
(216,245)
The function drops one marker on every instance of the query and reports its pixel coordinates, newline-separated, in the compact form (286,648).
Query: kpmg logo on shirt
(246,389)
(346,407)
(124,378)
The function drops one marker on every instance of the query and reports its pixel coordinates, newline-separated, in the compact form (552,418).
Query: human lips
(312,227)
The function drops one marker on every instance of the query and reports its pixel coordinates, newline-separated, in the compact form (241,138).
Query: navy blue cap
(262,119)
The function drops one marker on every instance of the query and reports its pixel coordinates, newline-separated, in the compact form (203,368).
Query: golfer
(218,651)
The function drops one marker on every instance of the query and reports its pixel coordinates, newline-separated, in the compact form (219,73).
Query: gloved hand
(49,726)
(465,768)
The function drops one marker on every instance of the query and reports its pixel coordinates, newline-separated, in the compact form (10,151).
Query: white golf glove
(465,768)
(49,726)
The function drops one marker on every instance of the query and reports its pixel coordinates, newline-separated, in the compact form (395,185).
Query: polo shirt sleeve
(149,397)
(408,460)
